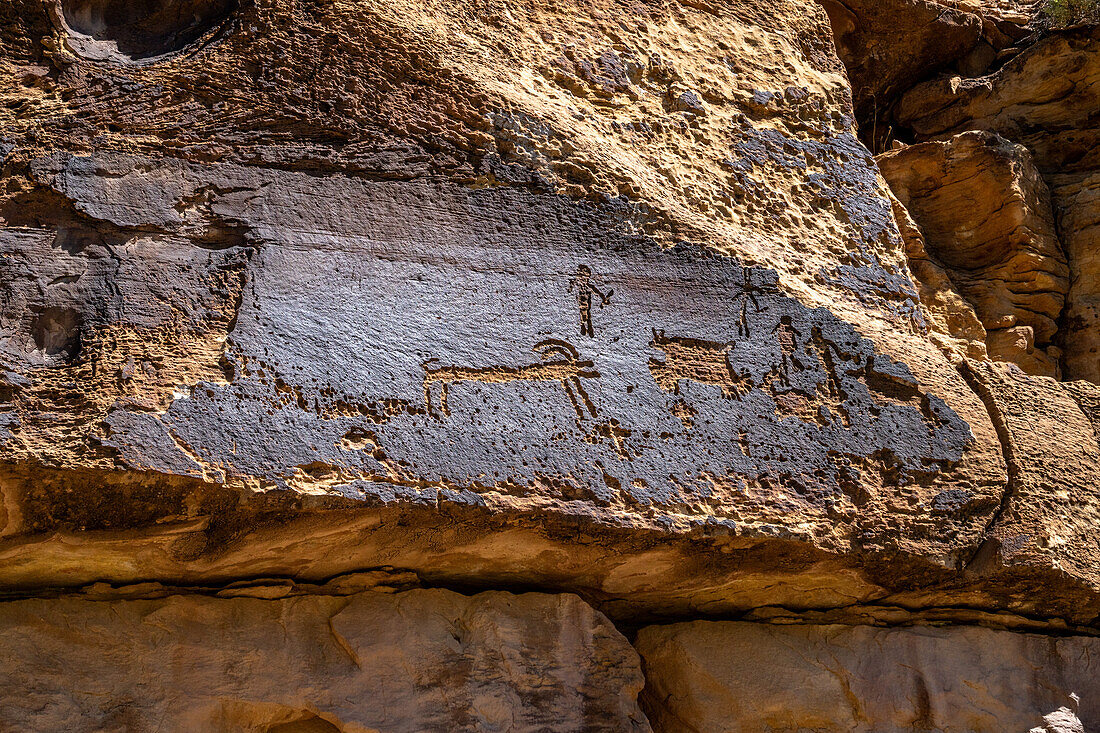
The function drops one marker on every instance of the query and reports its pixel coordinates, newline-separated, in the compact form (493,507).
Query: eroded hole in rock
(134,30)
(56,332)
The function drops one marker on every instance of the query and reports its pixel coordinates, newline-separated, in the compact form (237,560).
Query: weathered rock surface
(362,372)
(724,677)
(420,660)
(1046,99)
(1053,471)
(953,324)
(887,47)
(984,212)
(1077,199)
(225,354)
(605,299)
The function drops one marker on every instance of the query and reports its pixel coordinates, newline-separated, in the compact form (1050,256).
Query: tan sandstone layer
(1045,99)
(418,660)
(984,212)
(726,677)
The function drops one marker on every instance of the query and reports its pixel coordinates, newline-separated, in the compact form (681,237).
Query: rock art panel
(600,297)
(421,660)
(729,676)
(501,344)
(308,153)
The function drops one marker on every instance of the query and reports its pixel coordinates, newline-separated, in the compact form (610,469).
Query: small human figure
(787,336)
(585,290)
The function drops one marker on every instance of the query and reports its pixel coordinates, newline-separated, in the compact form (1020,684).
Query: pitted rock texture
(334,355)
(725,677)
(1049,509)
(469,310)
(594,298)
(984,212)
(685,138)
(420,660)
(594,396)
(311,348)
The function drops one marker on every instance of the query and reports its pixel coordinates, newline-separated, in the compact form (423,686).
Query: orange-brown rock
(888,46)
(414,661)
(1077,201)
(306,304)
(723,677)
(311,321)
(954,324)
(984,212)
(1052,448)
(1045,99)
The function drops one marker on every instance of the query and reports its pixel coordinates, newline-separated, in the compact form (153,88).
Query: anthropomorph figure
(585,290)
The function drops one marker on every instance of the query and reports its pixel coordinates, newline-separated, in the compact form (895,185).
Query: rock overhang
(768,292)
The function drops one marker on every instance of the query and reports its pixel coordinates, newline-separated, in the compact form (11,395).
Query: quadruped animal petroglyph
(698,360)
(561,363)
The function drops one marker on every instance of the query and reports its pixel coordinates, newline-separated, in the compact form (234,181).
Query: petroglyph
(561,363)
(811,355)
(585,288)
(705,362)
(704,388)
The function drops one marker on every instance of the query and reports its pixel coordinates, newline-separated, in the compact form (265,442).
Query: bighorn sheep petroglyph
(560,363)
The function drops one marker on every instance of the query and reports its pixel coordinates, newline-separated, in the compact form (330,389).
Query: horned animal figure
(560,363)
(697,360)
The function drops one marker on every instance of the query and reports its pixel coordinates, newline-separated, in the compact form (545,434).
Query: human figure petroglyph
(585,290)
(749,287)
(743,317)
(786,335)
(561,363)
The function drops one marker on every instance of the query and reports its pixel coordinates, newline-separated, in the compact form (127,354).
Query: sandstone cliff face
(845,678)
(985,213)
(418,660)
(265,322)
(601,299)
(1044,99)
